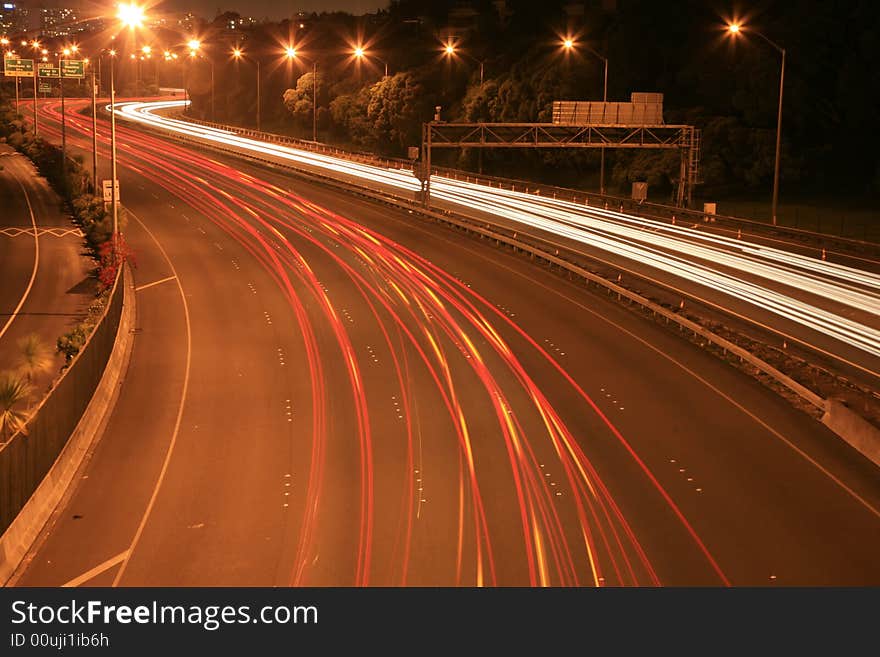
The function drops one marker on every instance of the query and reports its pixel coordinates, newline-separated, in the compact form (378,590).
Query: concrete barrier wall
(39,489)
(853,428)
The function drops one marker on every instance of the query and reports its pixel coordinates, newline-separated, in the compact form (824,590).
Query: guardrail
(870,446)
(646,209)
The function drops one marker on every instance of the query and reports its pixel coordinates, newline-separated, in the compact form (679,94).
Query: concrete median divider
(853,428)
(39,467)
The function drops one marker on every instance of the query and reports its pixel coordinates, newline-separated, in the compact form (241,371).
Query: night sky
(275,9)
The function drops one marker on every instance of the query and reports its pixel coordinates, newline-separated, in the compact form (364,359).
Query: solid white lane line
(183,392)
(97,570)
(159,282)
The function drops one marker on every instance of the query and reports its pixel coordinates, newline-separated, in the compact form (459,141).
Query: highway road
(326,391)
(46,289)
(833,308)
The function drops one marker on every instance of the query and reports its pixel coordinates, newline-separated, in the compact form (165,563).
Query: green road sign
(73,68)
(18,68)
(45,88)
(48,70)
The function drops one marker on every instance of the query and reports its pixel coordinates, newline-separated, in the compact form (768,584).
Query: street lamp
(130,16)
(360,53)
(291,53)
(569,44)
(195,46)
(449,50)
(238,54)
(36,46)
(66,53)
(735,29)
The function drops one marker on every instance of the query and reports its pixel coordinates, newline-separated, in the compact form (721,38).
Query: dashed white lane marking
(373,355)
(553,347)
(397,408)
(288,409)
(683,471)
(268,317)
(618,405)
(159,282)
(252,288)
(287,482)
(219,248)
(201,230)
(235,264)
(281,356)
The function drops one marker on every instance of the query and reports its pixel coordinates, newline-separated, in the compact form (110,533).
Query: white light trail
(727,265)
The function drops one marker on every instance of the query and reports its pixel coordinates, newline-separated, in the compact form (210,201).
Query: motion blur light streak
(697,257)
(572,530)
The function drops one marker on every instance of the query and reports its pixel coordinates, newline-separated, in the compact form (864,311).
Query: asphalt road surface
(325,391)
(829,306)
(45,287)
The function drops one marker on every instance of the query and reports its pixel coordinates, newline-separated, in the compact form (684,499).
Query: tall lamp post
(4,42)
(238,54)
(130,16)
(195,47)
(735,30)
(66,53)
(291,53)
(36,46)
(569,44)
(449,50)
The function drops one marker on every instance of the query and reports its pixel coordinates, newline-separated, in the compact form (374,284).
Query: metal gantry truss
(684,138)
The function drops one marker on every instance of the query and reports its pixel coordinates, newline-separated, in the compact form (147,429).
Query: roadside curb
(25,529)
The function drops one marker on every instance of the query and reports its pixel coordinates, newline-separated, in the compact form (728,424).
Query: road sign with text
(48,70)
(18,68)
(45,87)
(73,68)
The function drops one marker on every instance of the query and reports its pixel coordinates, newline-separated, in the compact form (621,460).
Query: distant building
(188,22)
(14,19)
(58,21)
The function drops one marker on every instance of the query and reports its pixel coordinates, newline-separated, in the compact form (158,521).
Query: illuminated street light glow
(733,28)
(236,52)
(359,52)
(130,15)
(290,52)
(66,52)
(146,50)
(194,44)
(450,49)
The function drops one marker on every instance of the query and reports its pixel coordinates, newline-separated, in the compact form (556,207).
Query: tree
(300,101)
(34,356)
(349,114)
(396,109)
(13,391)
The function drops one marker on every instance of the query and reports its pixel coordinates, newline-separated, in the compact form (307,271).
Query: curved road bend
(46,288)
(369,400)
(828,306)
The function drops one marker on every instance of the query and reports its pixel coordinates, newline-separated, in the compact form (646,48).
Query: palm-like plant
(13,391)
(34,356)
